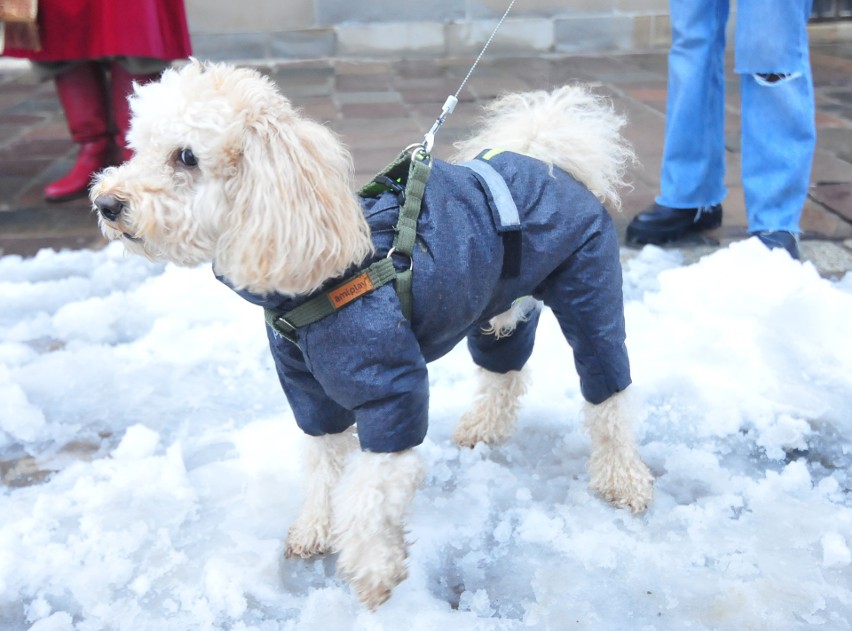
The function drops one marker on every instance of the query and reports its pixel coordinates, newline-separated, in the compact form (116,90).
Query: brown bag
(19,25)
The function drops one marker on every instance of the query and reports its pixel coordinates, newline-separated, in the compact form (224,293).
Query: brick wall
(298,29)
(262,29)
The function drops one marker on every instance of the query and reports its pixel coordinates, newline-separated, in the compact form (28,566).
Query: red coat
(85,29)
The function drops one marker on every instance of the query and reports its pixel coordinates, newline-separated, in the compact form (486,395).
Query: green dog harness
(406,176)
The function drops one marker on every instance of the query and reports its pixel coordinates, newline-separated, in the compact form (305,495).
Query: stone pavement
(381,106)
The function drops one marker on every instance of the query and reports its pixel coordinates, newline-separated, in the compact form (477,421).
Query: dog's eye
(187,158)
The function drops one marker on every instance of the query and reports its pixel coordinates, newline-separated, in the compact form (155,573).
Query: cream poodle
(226,170)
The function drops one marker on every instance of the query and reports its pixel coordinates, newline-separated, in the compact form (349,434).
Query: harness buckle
(286,329)
(391,185)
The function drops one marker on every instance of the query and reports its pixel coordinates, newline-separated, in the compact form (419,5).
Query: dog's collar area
(413,170)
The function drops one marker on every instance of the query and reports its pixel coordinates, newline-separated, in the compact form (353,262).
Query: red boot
(82,92)
(121,87)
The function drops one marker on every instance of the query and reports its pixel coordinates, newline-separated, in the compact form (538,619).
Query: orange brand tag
(355,288)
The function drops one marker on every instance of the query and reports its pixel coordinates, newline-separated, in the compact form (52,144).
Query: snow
(152,465)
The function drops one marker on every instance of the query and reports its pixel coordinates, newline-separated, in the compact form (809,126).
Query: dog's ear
(294,221)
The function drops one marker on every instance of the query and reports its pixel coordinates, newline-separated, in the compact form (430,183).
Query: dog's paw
(374,568)
(372,591)
(303,543)
(624,484)
(473,429)
(484,424)
(374,585)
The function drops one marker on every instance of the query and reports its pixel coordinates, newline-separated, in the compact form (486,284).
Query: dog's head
(226,170)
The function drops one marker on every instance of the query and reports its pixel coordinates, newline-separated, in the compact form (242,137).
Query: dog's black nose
(109,206)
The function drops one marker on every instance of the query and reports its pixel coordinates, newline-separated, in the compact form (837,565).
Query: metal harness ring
(393,251)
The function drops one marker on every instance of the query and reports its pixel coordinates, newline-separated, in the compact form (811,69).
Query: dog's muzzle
(109,207)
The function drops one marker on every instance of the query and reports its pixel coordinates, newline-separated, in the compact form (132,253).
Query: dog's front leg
(616,471)
(310,534)
(369,509)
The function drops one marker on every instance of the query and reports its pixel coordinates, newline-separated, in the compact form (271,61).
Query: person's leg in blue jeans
(778,129)
(693,166)
(693,169)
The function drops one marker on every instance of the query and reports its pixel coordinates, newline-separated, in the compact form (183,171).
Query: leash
(453,99)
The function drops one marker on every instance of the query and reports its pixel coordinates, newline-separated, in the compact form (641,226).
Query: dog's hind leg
(500,350)
(492,418)
(370,506)
(616,471)
(310,534)
(585,296)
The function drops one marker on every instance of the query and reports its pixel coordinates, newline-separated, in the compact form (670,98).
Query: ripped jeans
(776,103)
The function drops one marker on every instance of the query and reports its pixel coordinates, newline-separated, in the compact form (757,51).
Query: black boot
(661,224)
(780,240)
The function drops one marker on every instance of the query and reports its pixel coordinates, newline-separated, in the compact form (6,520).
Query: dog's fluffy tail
(570,127)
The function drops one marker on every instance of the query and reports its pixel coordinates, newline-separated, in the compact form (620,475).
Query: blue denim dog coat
(366,364)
